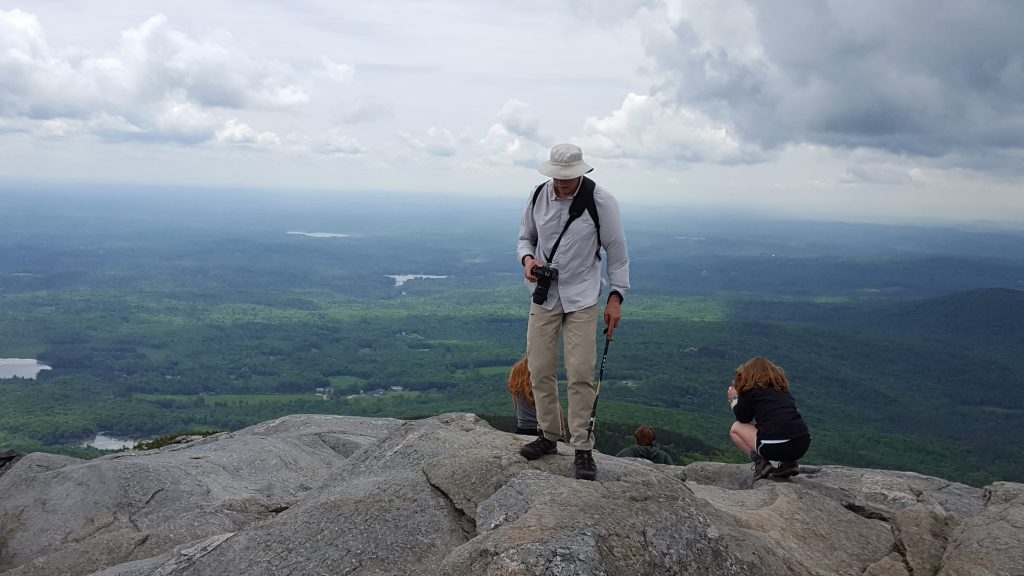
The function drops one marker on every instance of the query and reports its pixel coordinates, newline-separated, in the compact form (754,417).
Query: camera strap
(582,201)
(572,216)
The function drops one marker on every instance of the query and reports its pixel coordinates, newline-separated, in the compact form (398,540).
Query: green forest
(164,313)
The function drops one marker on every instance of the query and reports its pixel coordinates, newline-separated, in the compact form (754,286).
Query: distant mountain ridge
(984,318)
(980,336)
(985,315)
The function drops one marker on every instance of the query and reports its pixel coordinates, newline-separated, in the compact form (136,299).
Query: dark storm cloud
(924,77)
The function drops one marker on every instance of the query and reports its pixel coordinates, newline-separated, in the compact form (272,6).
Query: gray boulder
(318,495)
(61,515)
(991,542)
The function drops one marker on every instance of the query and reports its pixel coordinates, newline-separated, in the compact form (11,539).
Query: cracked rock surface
(318,495)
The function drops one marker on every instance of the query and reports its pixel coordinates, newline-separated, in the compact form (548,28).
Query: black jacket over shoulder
(775,413)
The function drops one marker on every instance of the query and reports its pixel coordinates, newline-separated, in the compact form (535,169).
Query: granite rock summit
(308,495)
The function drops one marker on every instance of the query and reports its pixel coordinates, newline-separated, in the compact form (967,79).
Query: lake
(109,442)
(403,278)
(21,368)
(320,234)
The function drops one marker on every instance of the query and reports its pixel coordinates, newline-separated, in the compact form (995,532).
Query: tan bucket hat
(566,163)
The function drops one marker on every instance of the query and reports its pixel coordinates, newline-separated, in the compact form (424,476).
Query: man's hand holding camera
(542,275)
(528,265)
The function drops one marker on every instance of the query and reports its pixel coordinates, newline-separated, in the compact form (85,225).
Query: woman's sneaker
(762,468)
(539,447)
(785,470)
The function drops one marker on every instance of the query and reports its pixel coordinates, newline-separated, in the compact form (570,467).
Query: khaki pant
(579,339)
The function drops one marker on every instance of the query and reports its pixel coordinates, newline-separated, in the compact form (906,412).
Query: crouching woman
(768,425)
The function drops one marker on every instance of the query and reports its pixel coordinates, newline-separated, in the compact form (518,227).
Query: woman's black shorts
(789,451)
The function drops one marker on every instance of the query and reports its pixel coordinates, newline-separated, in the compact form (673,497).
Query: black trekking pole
(600,378)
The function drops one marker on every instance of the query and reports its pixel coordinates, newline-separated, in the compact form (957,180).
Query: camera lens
(540,292)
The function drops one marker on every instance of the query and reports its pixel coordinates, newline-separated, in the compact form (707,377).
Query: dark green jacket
(652,453)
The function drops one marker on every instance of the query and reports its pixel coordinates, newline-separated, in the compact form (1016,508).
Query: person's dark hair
(644,436)
(759,373)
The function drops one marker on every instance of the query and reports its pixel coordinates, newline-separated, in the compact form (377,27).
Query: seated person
(768,426)
(645,447)
(522,399)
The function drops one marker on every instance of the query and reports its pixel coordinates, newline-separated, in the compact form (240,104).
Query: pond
(319,234)
(104,442)
(21,368)
(403,278)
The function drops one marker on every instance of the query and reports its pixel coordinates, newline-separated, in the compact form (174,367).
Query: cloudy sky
(856,110)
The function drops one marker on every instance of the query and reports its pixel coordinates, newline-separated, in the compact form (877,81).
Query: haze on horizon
(868,111)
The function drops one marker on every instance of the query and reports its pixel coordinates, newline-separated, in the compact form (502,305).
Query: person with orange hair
(522,398)
(768,426)
(645,448)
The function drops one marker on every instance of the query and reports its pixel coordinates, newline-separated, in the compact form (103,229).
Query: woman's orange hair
(759,373)
(519,381)
(644,436)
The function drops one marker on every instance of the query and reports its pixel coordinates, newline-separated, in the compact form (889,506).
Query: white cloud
(516,137)
(160,80)
(289,95)
(437,142)
(185,120)
(33,81)
(340,73)
(502,147)
(654,129)
(235,132)
(56,128)
(336,143)
(22,36)
(111,124)
(516,118)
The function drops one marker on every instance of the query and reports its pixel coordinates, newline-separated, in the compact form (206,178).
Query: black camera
(545,275)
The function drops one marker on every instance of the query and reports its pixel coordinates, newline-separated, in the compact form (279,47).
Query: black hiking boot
(762,468)
(586,469)
(539,447)
(785,470)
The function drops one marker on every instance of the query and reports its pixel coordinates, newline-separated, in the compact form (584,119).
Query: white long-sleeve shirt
(579,270)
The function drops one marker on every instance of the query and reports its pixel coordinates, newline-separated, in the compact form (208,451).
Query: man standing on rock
(566,223)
